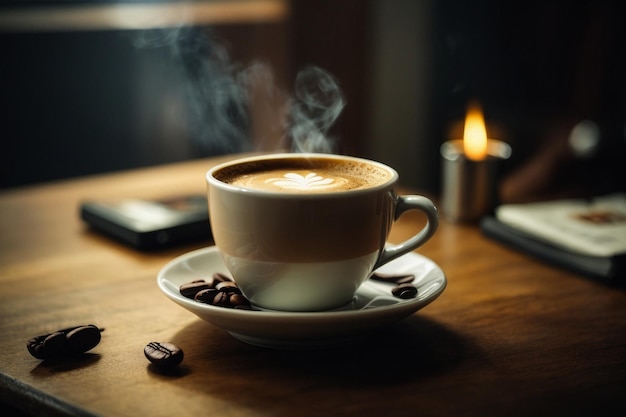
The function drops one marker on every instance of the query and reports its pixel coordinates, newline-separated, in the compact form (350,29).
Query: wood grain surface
(509,336)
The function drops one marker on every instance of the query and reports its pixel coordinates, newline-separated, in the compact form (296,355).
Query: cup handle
(404,204)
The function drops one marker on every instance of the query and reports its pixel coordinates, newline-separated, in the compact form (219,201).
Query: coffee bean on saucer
(219,290)
(404,291)
(219,277)
(222,299)
(192,288)
(228,287)
(239,301)
(206,296)
(163,355)
(393,278)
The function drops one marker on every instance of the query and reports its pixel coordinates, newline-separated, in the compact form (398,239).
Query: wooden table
(509,336)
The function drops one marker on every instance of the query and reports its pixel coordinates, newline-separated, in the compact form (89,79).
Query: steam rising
(318,103)
(234,108)
(217,102)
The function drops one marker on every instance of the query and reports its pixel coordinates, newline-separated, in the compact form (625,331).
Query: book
(585,236)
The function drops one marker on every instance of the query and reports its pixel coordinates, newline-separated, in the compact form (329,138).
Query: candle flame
(475,134)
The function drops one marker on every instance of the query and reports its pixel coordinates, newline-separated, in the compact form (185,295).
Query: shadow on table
(50,367)
(411,349)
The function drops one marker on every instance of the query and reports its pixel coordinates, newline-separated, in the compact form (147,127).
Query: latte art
(304,175)
(310,181)
(299,181)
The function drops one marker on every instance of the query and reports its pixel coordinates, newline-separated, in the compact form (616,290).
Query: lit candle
(469,168)
(475,134)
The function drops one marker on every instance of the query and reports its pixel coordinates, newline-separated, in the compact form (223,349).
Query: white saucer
(372,306)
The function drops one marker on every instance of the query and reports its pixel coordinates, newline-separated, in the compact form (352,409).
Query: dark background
(77,103)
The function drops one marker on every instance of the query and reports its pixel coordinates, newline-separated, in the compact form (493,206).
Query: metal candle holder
(470,187)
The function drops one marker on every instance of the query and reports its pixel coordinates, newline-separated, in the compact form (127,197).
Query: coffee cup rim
(212,180)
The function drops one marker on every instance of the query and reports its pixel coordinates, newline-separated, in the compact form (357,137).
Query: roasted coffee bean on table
(218,290)
(47,346)
(404,291)
(65,342)
(163,355)
(82,339)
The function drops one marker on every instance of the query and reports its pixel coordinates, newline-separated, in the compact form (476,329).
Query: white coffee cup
(301,232)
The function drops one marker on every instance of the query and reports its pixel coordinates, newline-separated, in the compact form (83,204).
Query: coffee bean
(228,286)
(238,300)
(206,296)
(47,346)
(222,299)
(393,278)
(190,289)
(66,342)
(164,355)
(82,339)
(35,347)
(54,344)
(404,291)
(219,290)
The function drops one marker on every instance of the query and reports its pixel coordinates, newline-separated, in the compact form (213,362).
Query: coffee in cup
(301,232)
(305,176)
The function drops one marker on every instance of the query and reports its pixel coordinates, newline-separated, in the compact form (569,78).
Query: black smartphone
(150,224)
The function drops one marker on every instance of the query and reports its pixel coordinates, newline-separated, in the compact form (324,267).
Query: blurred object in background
(96,87)
(552,72)
(581,149)
(82,100)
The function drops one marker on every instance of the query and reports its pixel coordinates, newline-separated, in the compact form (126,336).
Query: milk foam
(299,181)
(305,182)
(305,176)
